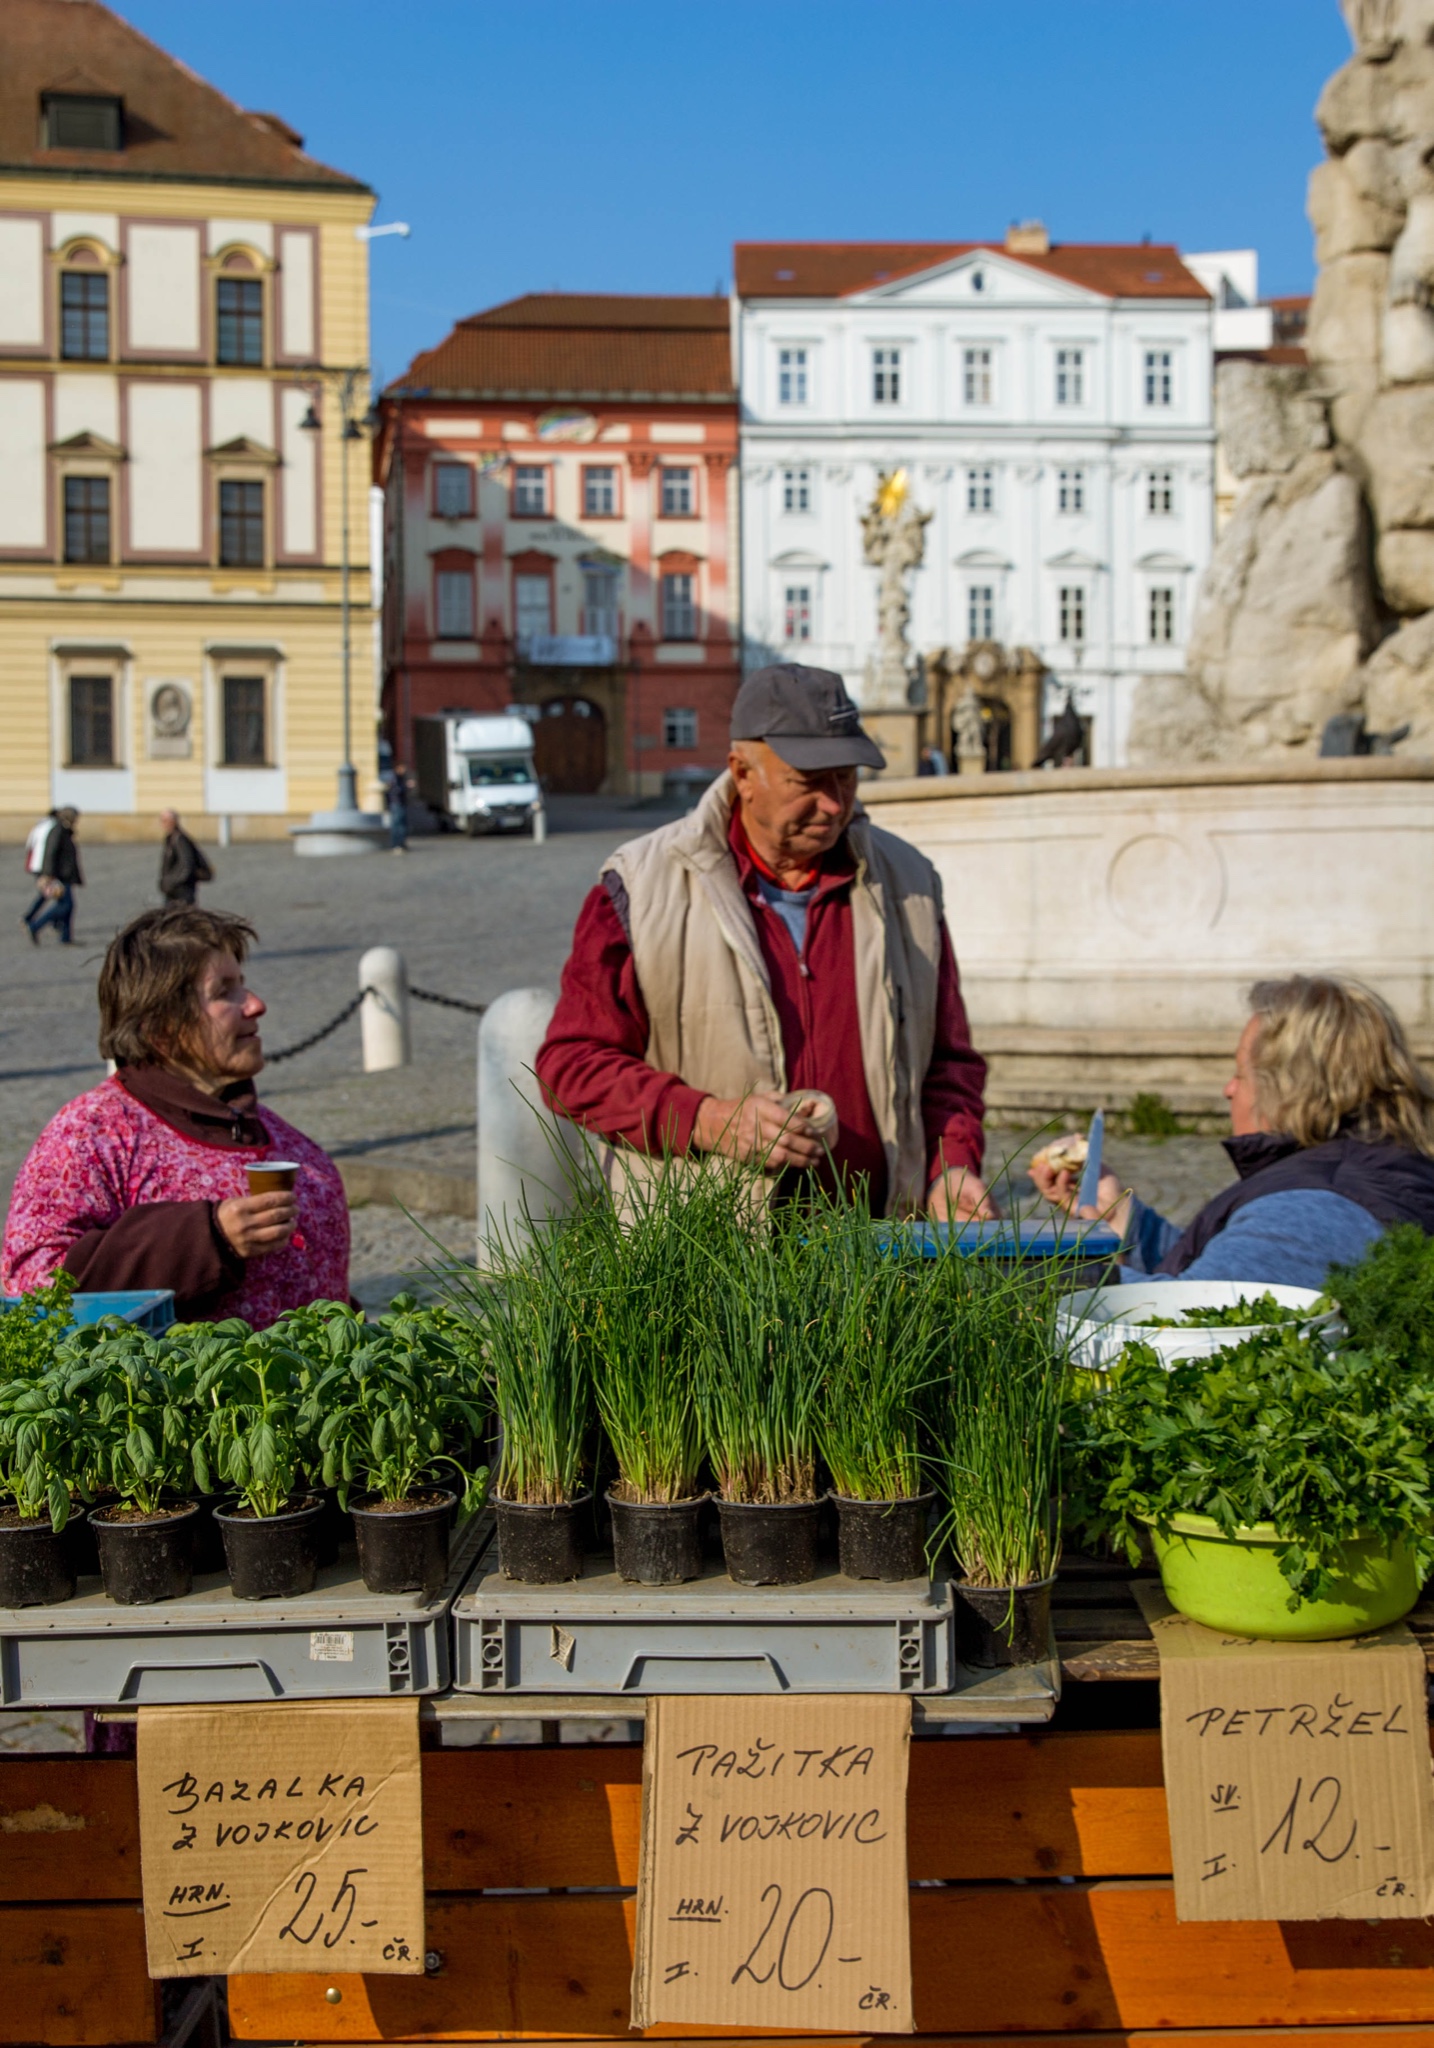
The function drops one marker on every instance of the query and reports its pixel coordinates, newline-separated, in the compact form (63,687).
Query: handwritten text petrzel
(1338,1716)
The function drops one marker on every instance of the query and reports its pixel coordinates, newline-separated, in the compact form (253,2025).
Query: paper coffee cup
(817,1109)
(270,1174)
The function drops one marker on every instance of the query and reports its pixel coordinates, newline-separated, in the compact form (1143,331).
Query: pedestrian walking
(182,865)
(60,876)
(395,792)
(35,860)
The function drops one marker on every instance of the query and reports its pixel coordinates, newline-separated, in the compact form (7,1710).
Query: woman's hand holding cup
(264,1219)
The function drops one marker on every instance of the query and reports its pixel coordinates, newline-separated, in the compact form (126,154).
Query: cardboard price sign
(1297,1775)
(772,1888)
(281,1838)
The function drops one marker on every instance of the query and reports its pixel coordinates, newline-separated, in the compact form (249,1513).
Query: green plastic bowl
(1234,1584)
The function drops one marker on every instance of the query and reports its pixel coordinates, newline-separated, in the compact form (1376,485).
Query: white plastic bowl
(1101,1321)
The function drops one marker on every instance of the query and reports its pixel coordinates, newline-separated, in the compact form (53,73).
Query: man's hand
(1112,1201)
(255,1224)
(960,1196)
(758,1129)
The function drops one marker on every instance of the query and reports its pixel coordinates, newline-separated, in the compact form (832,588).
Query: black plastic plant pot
(146,1558)
(403,1545)
(80,1535)
(335,1528)
(540,1544)
(1001,1625)
(37,1567)
(882,1539)
(272,1557)
(770,1545)
(657,1542)
(208,1536)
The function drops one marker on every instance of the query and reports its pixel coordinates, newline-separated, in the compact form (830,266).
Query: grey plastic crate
(338,1642)
(601,1635)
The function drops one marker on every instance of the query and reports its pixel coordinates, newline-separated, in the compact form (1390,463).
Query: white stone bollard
(526,1156)
(384,1014)
(540,825)
(226,829)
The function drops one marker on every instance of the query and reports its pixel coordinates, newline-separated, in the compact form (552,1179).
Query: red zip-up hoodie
(592,1067)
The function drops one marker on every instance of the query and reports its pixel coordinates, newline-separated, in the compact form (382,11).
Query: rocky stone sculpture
(1319,599)
(894,537)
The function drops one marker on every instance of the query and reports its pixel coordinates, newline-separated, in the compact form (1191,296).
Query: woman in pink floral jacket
(141,1182)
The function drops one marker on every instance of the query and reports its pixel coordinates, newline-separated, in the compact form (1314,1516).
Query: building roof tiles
(833,270)
(176,125)
(582,345)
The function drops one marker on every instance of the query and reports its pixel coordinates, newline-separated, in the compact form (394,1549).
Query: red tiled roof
(175,124)
(583,345)
(832,270)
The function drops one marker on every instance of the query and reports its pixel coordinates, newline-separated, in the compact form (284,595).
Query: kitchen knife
(1090,1178)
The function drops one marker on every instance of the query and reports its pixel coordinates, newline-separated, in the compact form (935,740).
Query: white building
(1052,407)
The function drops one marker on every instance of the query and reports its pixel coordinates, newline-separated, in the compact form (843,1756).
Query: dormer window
(978,280)
(82,121)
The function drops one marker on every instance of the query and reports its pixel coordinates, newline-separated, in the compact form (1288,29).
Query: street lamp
(345,829)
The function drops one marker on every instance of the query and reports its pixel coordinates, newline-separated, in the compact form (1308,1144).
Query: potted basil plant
(255,1444)
(41,1457)
(397,1414)
(142,1451)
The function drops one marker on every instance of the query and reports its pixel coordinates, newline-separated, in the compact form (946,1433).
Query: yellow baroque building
(183,336)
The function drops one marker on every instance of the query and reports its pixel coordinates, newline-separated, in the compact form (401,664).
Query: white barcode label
(331,1646)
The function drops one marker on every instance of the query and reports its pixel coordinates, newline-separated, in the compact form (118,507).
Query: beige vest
(703,979)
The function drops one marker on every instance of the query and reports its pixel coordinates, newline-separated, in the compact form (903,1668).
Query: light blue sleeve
(1288,1240)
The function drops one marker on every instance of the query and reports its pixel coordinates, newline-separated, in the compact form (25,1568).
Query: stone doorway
(570,746)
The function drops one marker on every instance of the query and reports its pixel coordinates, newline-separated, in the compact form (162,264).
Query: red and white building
(559,512)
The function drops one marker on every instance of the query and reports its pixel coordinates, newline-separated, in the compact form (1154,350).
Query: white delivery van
(477,774)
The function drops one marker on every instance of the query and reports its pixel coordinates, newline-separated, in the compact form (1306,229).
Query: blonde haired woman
(1332,1135)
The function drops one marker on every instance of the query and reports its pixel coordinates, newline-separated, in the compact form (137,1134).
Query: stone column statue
(894,535)
(970,735)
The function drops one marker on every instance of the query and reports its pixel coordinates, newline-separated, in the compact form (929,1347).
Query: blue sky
(541,143)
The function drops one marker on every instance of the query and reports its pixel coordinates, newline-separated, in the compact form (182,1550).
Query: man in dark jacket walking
(182,867)
(60,875)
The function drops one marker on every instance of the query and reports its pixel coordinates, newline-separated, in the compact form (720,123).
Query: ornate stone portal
(894,538)
(983,705)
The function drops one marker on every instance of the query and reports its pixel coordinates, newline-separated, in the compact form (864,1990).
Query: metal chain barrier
(419,995)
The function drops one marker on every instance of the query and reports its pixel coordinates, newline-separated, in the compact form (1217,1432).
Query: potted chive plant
(41,1458)
(140,1428)
(995,1417)
(759,1390)
(256,1442)
(877,1337)
(643,1293)
(397,1411)
(542,1394)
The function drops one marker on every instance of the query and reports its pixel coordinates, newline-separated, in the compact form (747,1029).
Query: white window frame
(1072,611)
(1158,379)
(1160,483)
(593,488)
(793,374)
(687,611)
(978,376)
(1070,368)
(980,611)
(799,611)
(797,489)
(886,373)
(981,488)
(687,488)
(601,618)
(524,583)
(447,583)
(1161,614)
(1070,490)
(447,473)
(523,475)
(679,727)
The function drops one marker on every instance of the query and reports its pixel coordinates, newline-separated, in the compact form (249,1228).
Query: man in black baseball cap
(772,948)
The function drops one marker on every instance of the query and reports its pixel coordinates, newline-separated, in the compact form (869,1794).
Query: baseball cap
(806,718)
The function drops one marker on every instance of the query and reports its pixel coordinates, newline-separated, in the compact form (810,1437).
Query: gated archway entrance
(570,744)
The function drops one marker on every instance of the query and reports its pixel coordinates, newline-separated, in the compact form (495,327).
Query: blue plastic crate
(149,1308)
(1043,1239)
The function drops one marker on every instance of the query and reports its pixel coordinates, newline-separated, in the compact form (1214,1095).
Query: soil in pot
(882,1539)
(272,1557)
(37,1567)
(657,1542)
(1000,1625)
(770,1544)
(403,1544)
(538,1543)
(146,1557)
(1235,1585)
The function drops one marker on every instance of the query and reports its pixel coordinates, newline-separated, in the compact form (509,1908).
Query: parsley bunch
(1325,1446)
